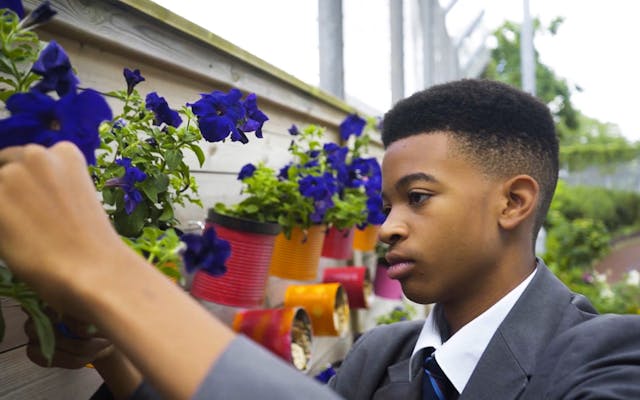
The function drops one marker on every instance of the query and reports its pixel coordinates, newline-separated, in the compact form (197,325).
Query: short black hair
(501,129)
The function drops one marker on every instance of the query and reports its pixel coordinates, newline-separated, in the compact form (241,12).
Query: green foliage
(270,199)
(160,248)
(159,152)
(276,197)
(20,48)
(405,312)
(578,236)
(29,301)
(616,209)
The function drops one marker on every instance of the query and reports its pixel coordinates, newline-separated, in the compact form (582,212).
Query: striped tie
(435,385)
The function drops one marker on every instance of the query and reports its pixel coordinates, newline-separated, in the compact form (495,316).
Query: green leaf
(198,152)
(43,326)
(173,158)
(131,225)
(167,213)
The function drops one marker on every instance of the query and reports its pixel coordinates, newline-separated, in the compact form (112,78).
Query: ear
(520,201)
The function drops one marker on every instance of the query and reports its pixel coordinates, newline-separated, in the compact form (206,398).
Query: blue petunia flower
(158,105)
(246,171)
(132,78)
(41,14)
(55,68)
(325,375)
(284,172)
(38,118)
(293,130)
(318,187)
(219,114)
(255,117)
(375,215)
(132,196)
(320,209)
(352,125)
(206,252)
(13,5)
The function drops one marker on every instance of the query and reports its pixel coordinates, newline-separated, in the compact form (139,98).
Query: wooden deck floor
(20,379)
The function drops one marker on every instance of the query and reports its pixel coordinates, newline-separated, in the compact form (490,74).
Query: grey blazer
(551,345)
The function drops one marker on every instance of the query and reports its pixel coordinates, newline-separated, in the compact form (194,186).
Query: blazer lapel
(505,367)
(399,386)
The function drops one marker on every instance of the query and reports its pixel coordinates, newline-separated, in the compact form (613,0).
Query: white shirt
(459,355)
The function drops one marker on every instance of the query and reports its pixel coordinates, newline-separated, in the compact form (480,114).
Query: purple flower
(158,105)
(219,115)
(38,16)
(284,172)
(13,5)
(293,130)
(132,78)
(352,125)
(320,209)
(206,252)
(132,196)
(55,68)
(375,215)
(318,187)
(255,117)
(246,171)
(38,118)
(325,375)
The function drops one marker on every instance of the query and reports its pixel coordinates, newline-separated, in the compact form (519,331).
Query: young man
(468,174)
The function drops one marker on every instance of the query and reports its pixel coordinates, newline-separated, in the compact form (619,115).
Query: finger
(11,154)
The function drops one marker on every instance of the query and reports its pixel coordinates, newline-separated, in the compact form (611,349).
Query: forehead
(434,154)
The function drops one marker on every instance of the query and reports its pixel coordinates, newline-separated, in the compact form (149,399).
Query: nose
(393,229)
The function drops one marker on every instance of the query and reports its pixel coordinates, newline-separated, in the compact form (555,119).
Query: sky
(595,48)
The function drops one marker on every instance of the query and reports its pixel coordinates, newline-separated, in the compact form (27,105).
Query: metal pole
(396,16)
(331,47)
(427,16)
(528,67)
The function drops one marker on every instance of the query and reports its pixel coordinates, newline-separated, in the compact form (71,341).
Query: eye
(386,209)
(417,198)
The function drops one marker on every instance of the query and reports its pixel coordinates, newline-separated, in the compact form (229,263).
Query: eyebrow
(417,176)
(410,178)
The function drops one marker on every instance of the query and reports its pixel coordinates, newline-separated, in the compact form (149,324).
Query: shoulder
(376,349)
(598,358)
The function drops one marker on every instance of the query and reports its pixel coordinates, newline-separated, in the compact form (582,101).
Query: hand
(76,343)
(53,227)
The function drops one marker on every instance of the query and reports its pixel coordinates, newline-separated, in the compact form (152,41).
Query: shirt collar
(459,355)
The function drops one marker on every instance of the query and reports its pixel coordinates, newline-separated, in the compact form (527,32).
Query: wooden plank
(14,319)
(20,379)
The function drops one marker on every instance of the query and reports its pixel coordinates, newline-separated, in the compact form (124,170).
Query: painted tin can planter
(326,304)
(298,258)
(243,285)
(383,286)
(286,332)
(356,282)
(366,239)
(338,243)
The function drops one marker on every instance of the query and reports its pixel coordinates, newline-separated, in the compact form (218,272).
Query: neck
(506,277)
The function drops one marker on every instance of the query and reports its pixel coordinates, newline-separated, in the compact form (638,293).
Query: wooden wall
(179,60)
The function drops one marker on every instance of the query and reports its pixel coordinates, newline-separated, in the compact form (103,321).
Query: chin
(416,295)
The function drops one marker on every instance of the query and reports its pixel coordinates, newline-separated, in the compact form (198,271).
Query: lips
(399,266)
